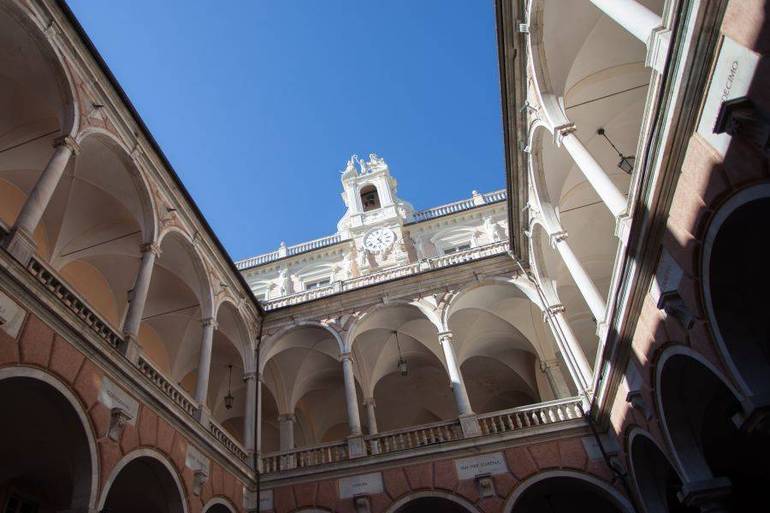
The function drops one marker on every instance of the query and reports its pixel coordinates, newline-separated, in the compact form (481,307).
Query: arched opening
(432,505)
(179,297)
(499,339)
(43,469)
(37,107)
(218,508)
(304,376)
(657,482)
(565,494)
(402,368)
(700,416)
(736,282)
(144,484)
(370,198)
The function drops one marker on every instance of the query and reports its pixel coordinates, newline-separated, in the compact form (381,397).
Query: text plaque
(366,484)
(731,79)
(492,464)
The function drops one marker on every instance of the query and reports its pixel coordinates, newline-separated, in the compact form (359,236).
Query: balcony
(429,438)
(425,265)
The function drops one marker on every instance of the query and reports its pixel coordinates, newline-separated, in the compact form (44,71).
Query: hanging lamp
(402,366)
(626,163)
(229,397)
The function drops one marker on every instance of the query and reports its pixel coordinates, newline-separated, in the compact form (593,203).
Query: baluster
(510,422)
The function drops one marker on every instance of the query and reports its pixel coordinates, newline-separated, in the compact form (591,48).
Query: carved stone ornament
(118,420)
(200,477)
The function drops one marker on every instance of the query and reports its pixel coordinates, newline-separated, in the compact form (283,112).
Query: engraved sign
(112,396)
(367,484)
(731,79)
(486,464)
(11,316)
(195,460)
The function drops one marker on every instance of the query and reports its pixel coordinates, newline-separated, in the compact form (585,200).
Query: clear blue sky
(258,104)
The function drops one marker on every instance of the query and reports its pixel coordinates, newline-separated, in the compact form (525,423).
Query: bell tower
(375,214)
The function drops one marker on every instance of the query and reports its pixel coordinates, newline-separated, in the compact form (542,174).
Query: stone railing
(230,443)
(285,251)
(459,206)
(306,457)
(169,389)
(427,264)
(74,302)
(531,416)
(414,437)
(447,434)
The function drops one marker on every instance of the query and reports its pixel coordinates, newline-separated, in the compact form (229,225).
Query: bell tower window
(370,200)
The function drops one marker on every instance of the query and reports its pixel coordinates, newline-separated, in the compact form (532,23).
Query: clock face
(379,239)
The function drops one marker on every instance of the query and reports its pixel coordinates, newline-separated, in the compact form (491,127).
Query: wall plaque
(11,316)
(732,77)
(112,396)
(470,468)
(367,484)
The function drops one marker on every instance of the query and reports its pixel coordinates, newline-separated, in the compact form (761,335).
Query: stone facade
(594,337)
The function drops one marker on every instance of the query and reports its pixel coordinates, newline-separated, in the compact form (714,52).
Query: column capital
(150,247)
(562,131)
(287,417)
(249,376)
(346,356)
(369,401)
(209,321)
(445,337)
(556,309)
(557,237)
(67,141)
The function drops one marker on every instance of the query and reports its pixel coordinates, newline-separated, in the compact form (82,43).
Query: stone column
(286,431)
(138,299)
(354,421)
(571,350)
(204,362)
(21,241)
(553,374)
(468,419)
(601,183)
(584,283)
(632,16)
(258,442)
(371,415)
(250,419)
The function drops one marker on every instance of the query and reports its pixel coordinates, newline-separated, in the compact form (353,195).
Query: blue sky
(258,104)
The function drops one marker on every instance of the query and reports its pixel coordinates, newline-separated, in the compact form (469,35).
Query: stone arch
(88,485)
(690,463)
(353,330)
(159,462)
(138,176)
(219,505)
(591,483)
(267,345)
(199,263)
(655,479)
(397,506)
(734,278)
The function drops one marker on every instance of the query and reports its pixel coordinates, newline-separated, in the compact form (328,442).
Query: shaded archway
(562,492)
(146,482)
(432,502)
(701,415)
(53,469)
(218,505)
(657,482)
(735,281)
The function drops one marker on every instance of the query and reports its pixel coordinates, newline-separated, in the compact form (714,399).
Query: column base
(470,426)
(601,329)
(356,446)
(623,227)
(706,495)
(131,348)
(20,245)
(202,415)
